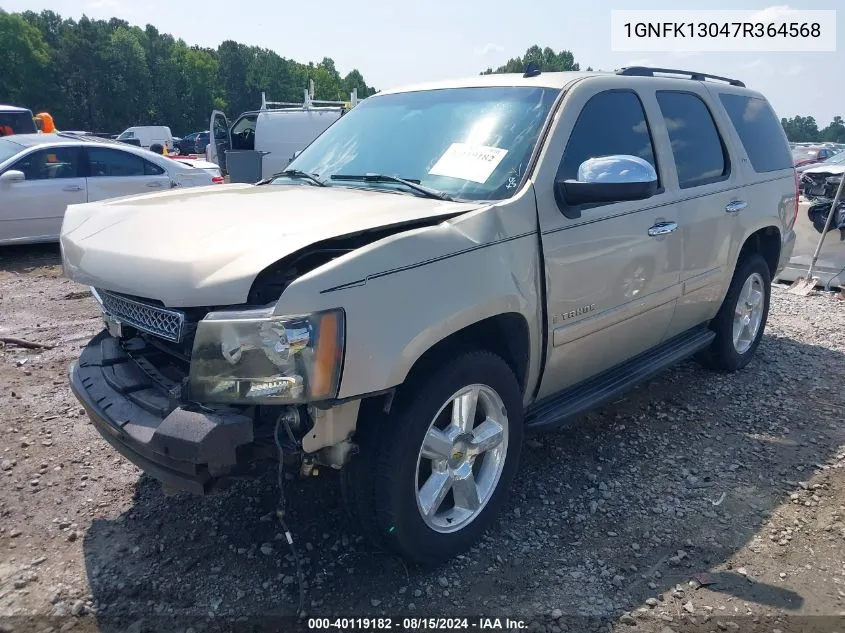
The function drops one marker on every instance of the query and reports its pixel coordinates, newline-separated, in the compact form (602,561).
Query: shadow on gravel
(630,502)
(24,258)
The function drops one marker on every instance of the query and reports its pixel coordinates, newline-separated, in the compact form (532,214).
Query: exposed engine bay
(820,185)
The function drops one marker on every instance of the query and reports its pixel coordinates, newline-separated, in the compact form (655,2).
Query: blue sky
(394,43)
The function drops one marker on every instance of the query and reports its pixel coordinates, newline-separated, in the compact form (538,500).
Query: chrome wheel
(462,458)
(748,313)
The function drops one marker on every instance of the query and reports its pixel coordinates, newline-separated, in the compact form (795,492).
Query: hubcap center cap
(460,452)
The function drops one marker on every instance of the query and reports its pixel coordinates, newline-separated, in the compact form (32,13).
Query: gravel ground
(702,501)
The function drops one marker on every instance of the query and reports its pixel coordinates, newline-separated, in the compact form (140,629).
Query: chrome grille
(162,322)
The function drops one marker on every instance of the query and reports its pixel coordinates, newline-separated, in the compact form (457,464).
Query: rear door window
(699,152)
(759,130)
(106,162)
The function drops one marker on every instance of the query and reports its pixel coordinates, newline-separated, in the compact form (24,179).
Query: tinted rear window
(696,144)
(760,132)
(16,123)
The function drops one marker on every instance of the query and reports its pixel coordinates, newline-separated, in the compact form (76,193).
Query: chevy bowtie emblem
(457,455)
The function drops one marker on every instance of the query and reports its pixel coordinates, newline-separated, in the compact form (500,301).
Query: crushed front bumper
(186,449)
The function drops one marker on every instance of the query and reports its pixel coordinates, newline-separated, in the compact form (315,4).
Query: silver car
(41,174)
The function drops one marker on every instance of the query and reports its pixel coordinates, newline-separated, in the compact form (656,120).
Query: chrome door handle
(154,185)
(72,188)
(662,228)
(736,206)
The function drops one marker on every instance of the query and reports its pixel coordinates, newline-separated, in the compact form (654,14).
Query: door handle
(154,185)
(662,228)
(72,188)
(735,206)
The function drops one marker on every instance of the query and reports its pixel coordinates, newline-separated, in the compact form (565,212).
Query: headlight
(255,357)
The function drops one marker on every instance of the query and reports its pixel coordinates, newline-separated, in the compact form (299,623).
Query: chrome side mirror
(616,178)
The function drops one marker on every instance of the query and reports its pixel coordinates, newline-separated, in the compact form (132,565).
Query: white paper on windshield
(468,162)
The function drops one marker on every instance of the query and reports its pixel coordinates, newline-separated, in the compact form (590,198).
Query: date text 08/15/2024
(416,624)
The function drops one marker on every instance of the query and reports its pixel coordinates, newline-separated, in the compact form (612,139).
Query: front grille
(162,322)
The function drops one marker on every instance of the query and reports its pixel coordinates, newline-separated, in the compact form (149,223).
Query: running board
(559,409)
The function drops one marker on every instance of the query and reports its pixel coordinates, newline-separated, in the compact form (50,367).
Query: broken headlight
(256,357)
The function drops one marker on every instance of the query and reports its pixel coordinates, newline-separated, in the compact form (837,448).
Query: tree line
(104,76)
(804,129)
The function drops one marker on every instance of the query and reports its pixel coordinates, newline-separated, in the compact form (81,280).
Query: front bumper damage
(186,448)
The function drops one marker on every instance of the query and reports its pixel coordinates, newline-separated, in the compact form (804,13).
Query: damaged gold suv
(445,269)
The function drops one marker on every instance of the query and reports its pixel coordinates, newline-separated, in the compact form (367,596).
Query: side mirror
(617,178)
(12,175)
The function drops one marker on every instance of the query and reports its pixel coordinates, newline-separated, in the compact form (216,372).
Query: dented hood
(833,170)
(205,246)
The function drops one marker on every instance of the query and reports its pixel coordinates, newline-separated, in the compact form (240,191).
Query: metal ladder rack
(647,71)
(308,102)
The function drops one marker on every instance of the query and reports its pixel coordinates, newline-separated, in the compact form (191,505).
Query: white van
(262,142)
(146,135)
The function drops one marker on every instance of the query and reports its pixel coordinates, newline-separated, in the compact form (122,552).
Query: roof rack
(89,137)
(646,71)
(308,103)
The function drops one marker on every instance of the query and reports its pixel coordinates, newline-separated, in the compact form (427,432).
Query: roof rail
(646,71)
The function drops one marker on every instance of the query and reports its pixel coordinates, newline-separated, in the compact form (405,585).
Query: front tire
(741,320)
(441,462)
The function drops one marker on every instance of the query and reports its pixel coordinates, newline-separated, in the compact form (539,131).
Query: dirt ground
(702,501)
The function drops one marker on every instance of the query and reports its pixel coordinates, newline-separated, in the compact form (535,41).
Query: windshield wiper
(410,184)
(294,174)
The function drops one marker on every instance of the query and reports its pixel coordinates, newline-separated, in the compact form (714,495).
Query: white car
(41,174)
(202,165)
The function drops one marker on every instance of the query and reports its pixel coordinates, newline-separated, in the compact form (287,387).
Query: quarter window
(760,131)
(611,122)
(49,164)
(698,149)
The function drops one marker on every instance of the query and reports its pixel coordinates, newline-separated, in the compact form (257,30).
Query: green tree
(835,131)
(25,59)
(801,129)
(546,59)
(105,75)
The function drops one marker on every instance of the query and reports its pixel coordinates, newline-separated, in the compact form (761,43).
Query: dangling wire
(280,513)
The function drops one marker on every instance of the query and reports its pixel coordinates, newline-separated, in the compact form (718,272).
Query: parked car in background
(809,155)
(203,165)
(146,135)
(837,159)
(820,180)
(15,120)
(264,141)
(193,143)
(41,174)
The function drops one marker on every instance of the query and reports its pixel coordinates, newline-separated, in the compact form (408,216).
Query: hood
(204,246)
(833,170)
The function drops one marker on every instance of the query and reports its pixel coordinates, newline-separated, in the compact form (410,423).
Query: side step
(558,409)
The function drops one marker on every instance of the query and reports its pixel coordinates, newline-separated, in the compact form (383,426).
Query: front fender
(404,294)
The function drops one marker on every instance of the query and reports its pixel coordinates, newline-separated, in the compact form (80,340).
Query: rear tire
(428,479)
(741,320)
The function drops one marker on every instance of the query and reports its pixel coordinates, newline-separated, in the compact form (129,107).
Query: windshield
(126,135)
(469,143)
(8,149)
(836,159)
